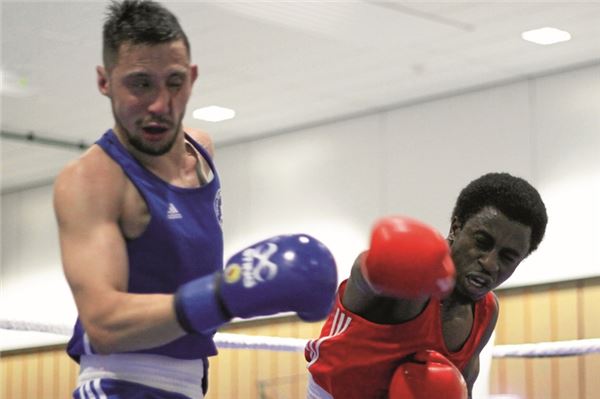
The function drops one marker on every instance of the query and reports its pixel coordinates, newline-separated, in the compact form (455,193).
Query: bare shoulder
(203,138)
(90,186)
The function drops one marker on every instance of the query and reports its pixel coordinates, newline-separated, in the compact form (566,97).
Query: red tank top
(356,358)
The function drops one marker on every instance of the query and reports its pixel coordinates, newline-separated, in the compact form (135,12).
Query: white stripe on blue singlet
(98,388)
(88,390)
(80,392)
(87,348)
(182,376)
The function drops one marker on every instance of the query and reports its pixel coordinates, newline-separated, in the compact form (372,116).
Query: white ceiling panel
(280,65)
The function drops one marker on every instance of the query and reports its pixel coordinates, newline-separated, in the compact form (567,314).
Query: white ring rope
(240,341)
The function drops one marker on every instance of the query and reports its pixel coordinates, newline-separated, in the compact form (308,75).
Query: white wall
(566,166)
(32,284)
(334,181)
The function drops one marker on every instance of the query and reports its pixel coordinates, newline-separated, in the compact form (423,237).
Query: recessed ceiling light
(213,113)
(546,36)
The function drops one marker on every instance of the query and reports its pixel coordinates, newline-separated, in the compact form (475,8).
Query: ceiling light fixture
(546,36)
(213,113)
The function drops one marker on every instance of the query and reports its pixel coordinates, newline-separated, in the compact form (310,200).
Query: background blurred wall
(334,180)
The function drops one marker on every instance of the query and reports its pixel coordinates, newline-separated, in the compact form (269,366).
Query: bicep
(92,246)
(94,259)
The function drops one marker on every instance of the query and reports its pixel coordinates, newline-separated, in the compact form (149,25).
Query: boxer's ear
(455,228)
(103,80)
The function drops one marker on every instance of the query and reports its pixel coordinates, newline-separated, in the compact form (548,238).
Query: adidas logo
(173,213)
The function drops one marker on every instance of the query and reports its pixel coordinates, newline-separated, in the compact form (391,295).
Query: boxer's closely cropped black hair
(138,22)
(513,196)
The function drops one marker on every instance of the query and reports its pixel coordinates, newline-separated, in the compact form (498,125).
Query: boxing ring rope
(282,344)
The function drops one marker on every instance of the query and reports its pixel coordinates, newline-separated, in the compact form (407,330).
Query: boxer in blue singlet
(139,217)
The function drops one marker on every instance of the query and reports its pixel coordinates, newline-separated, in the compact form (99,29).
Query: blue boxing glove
(281,274)
(285,273)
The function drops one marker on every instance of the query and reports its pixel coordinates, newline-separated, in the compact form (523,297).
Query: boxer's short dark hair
(138,22)
(513,196)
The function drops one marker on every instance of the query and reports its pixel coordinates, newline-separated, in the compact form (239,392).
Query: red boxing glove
(408,259)
(428,375)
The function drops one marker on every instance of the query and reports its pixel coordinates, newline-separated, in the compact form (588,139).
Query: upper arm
(358,294)
(87,198)
(361,299)
(471,371)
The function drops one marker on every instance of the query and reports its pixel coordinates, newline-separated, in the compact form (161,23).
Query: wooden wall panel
(262,374)
(590,326)
(48,374)
(554,312)
(565,326)
(539,328)
(562,311)
(512,373)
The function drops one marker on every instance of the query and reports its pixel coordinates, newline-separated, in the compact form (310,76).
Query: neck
(164,164)
(456,299)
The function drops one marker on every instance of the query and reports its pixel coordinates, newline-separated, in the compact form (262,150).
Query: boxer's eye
(483,241)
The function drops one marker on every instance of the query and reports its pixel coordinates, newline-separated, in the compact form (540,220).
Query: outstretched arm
(407,262)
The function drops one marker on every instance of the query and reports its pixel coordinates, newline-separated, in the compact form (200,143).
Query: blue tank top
(182,241)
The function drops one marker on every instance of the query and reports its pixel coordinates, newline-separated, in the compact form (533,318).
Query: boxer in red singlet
(417,308)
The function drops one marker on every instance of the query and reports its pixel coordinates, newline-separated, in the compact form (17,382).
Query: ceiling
(281,65)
